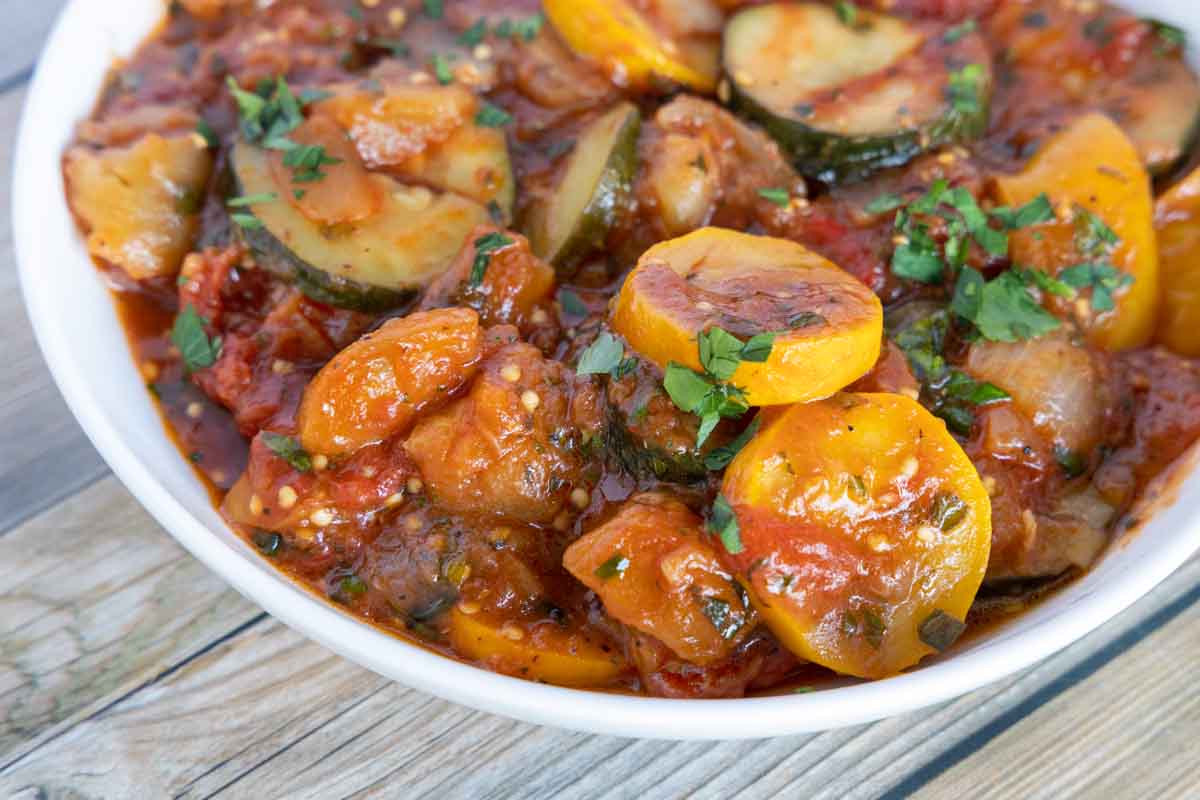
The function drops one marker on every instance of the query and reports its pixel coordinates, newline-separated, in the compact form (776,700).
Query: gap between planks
(188,709)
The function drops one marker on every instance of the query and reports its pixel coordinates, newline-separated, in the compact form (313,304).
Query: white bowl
(86,350)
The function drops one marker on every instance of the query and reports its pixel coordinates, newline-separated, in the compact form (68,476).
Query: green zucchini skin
(331,290)
(610,193)
(839,158)
(649,460)
(648,435)
(835,159)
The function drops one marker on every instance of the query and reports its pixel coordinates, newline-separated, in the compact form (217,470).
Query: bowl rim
(414,666)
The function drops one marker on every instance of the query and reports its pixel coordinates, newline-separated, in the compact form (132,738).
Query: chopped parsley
(706,394)
(306,161)
(779,197)
(1171,38)
(197,350)
(847,13)
(1073,464)
(947,512)
(441,68)
(940,630)
(722,521)
(246,221)
(1002,310)
(434,9)
(289,450)
(208,134)
(965,88)
(484,247)
(614,567)
(718,458)
(527,28)
(952,394)
(959,31)
(1102,278)
(722,616)
(884,203)
(251,199)
(605,356)
(490,116)
(267,543)
(352,585)
(699,394)
(571,303)
(474,34)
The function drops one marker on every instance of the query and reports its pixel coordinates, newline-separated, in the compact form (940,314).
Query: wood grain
(46,456)
(103,603)
(264,712)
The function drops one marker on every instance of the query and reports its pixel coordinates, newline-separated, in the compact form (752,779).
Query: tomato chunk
(374,388)
(655,571)
(864,531)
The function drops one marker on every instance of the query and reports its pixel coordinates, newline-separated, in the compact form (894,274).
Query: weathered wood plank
(26,25)
(103,602)
(265,712)
(1132,728)
(46,456)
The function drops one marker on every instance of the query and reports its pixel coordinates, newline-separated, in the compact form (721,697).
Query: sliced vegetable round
(1177,221)
(1160,112)
(375,387)
(827,325)
(627,43)
(859,526)
(371,261)
(549,654)
(574,219)
(850,94)
(654,571)
(1103,243)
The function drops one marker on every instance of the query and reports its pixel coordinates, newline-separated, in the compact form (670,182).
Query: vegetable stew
(693,348)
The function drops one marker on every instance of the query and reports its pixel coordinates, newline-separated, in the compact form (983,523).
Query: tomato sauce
(406,559)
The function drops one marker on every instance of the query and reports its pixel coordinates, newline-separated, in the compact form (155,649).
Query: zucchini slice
(649,435)
(847,98)
(370,264)
(1159,109)
(574,218)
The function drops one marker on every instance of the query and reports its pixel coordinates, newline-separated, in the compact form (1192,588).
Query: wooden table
(129,670)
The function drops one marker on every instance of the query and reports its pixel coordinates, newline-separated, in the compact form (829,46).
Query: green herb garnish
(571,303)
(208,134)
(719,457)
(940,630)
(956,33)
(490,116)
(965,89)
(780,197)
(267,543)
(289,449)
(722,521)
(722,616)
(884,203)
(474,34)
(947,511)
(484,247)
(605,355)
(196,349)
(441,69)
(251,199)
(614,567)
(434,9)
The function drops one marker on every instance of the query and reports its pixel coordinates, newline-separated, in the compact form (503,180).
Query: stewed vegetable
(1103,240)
(552,336)
(861,530)
(850,92)
(767,315)
(576,217)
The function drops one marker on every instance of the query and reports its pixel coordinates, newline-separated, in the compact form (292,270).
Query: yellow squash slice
(828,324)
(1093,168)
(1177,220)
(861,530)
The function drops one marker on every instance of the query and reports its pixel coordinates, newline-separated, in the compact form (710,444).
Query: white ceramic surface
(83,343)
